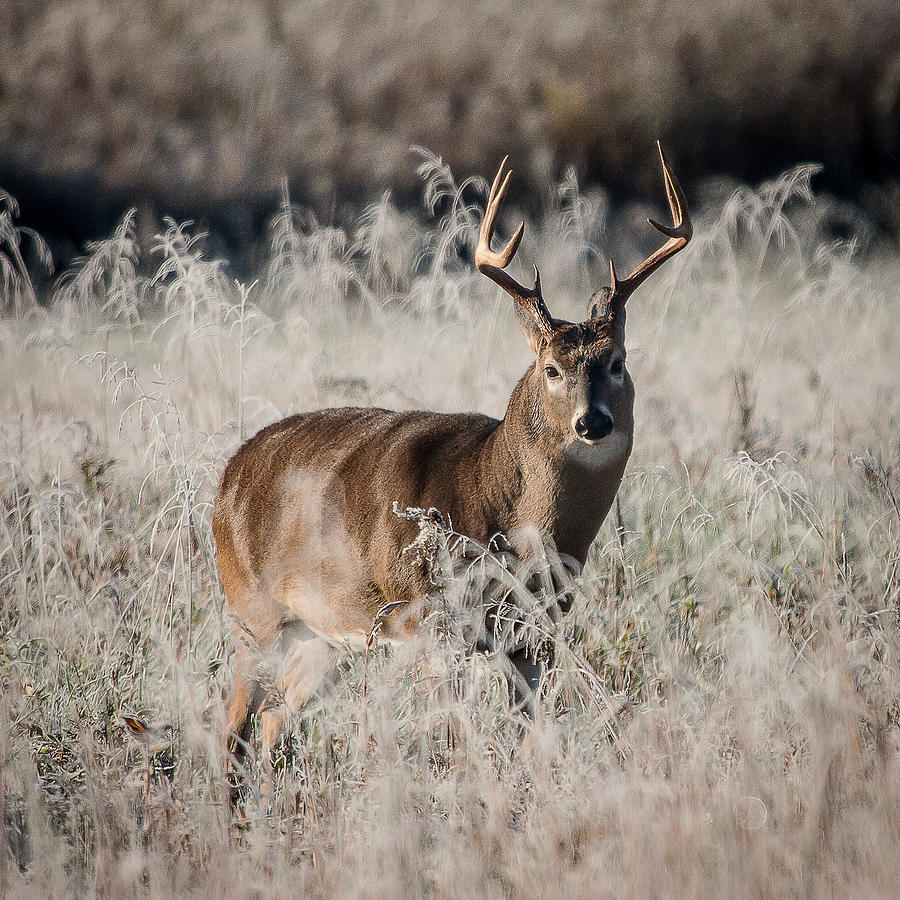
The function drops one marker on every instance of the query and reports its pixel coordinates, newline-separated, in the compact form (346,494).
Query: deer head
(584,382)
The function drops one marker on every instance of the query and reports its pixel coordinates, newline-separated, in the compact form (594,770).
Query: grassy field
(723,719)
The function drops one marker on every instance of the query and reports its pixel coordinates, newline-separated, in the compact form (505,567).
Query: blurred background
(200,109)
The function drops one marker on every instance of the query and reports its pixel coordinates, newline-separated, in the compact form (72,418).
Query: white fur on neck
(604,453)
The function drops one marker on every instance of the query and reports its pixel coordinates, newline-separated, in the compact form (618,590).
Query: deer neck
(563,486)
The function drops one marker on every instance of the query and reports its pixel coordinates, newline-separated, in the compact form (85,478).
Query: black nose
(594,425)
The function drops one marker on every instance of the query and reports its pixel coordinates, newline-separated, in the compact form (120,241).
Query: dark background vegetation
(200,109)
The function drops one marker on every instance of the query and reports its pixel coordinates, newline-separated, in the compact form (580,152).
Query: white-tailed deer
(309,545)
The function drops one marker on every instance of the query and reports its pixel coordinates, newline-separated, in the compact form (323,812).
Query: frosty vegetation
(723,716)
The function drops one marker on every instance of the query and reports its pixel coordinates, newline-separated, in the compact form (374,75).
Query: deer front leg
(525,679)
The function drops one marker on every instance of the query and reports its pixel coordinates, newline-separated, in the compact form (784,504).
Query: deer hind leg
(255,630)
(247,696)
(238,704)
(302,661)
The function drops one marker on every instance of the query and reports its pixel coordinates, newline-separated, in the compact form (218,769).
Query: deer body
(322,485)
(310,549)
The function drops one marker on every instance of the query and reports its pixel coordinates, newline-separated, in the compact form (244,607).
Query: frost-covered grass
(723,720)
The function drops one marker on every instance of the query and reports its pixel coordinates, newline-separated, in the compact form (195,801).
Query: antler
(492,264)
(679,233)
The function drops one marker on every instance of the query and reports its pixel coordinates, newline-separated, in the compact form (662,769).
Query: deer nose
(594,425)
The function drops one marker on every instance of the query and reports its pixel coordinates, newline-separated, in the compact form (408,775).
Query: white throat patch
(604,453)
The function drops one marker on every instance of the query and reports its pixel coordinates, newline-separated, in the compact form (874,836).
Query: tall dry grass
(723,715)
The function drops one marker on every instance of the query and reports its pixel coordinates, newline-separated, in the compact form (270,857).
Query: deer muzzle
(593,425)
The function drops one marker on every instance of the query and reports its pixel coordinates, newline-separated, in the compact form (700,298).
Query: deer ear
(598,305)
(533,334)
(601,306)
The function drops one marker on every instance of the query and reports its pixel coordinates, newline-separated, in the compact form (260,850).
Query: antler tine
(492,263)
(679,233)
(484,255)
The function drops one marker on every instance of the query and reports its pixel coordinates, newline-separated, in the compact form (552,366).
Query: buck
(309,545)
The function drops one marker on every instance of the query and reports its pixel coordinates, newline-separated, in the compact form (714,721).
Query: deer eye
(552,372)
(618,367)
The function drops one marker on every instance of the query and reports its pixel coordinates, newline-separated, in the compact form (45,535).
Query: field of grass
(724,716)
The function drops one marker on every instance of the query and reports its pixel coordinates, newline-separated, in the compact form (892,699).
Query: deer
(310,550)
